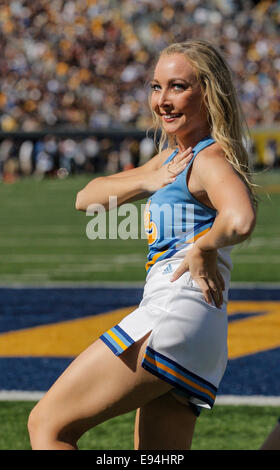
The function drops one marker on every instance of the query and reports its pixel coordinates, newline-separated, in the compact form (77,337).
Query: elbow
(243,225)
(87,196)
(80,202)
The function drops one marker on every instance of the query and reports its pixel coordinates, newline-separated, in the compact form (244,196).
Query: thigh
(164,424)
(98,386)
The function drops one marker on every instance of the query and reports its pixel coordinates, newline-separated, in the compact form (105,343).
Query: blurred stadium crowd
(52,156)
(86,63)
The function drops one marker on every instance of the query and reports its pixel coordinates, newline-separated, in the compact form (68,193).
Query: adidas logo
(168,269)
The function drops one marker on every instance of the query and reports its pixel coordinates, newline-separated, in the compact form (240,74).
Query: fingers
(217,287)
(211,290)
(178,164)
(220,279)
(216,292)
(212,287)
(176,168)
(179,271)
(186,154)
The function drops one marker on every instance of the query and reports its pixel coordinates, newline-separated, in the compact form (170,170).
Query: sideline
(251,400)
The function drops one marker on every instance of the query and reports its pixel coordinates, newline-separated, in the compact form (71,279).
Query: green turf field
(224,428)
(43,238)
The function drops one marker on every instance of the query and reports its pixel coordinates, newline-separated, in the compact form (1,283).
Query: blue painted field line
(25,307)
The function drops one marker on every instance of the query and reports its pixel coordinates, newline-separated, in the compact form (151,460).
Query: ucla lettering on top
(168,222)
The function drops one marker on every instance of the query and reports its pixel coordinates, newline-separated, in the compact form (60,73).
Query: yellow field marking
(246,336)
(255,334)
(67,338)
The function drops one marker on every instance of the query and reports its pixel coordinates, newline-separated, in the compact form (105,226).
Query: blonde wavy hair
(225,115)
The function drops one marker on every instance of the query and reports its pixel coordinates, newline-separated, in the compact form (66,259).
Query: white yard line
(256,400)
(250,400)
(20,395)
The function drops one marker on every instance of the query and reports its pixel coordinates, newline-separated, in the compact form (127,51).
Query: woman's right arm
(126,185)
(133,184)
(99,190)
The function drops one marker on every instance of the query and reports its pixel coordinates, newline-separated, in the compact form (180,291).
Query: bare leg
(94,388)
(164,424)
(272,441)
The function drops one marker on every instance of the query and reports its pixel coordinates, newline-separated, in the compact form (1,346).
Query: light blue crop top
(173,217)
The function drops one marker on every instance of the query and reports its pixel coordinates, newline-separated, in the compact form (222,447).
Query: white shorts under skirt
(187,346)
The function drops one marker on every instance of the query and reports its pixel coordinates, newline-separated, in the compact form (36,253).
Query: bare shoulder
(212,152)
(213,173)
(211,159)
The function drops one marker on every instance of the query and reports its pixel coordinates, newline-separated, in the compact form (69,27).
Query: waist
(158,278)
(223,257)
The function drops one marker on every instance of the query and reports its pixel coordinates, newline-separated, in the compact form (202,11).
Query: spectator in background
(25,157)
(146,150)
(64,63)
(82,64)
(5,150)
(91,149)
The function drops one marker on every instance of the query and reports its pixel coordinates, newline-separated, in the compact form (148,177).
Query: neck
(190,140)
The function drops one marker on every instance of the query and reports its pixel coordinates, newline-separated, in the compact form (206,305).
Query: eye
(179,86)
(154,86)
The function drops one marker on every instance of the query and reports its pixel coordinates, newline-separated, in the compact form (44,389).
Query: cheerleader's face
(176,96)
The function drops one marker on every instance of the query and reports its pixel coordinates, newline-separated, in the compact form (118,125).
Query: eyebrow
(171,80)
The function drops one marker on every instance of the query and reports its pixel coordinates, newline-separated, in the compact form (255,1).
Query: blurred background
(74,78)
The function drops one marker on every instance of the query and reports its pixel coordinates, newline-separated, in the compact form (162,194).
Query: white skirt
(187,346)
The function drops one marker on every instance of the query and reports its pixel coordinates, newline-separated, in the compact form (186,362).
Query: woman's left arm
(234,222)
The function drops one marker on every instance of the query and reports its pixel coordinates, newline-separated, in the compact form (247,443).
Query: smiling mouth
(170,117)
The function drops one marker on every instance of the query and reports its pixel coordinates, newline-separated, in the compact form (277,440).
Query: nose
(164,99)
